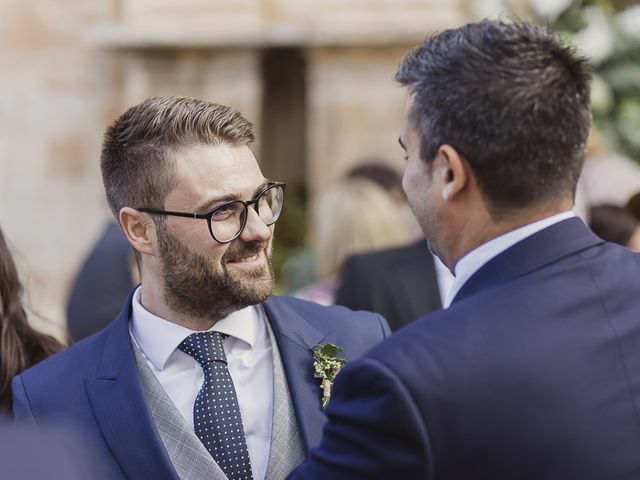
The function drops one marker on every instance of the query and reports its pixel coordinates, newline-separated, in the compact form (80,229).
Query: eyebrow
(231,197)
(401,143)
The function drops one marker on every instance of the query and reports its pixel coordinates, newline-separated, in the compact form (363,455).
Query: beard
(194,287)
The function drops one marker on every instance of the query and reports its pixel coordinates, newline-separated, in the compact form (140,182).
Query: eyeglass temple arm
(174,214)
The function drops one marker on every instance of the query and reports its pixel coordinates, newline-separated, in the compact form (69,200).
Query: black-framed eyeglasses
(227,221)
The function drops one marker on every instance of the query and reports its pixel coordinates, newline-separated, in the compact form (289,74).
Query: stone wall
(53,92)
(70,66)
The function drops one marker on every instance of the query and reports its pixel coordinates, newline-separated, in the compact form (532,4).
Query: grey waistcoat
(191,459)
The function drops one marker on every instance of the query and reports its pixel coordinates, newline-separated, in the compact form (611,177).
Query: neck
(152,300)
(481,229)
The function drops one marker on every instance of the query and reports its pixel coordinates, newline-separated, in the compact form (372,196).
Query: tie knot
(205,347)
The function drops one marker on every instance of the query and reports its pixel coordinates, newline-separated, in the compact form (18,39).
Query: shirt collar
(158,338)
(472,261)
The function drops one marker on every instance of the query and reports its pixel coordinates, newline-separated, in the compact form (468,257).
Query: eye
(224,212)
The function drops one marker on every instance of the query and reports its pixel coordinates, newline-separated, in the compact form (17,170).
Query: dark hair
(511,99)
(20,345)
(136,157)
(380,174)
(612,223)
(633,206)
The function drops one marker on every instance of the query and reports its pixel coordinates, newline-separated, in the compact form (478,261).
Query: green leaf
(330,350)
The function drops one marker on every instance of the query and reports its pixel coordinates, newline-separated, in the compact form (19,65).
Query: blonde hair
(355,216)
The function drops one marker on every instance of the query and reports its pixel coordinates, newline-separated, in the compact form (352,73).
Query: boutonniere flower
(326,366)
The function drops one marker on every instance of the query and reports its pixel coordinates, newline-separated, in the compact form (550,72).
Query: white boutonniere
(326,366)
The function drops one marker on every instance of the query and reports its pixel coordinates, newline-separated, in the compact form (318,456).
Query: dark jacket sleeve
(374,430)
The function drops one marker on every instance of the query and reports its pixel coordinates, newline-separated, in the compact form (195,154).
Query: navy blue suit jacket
(94,386)
(533,373)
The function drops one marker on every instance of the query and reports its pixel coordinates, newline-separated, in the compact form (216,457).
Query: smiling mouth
(251,259)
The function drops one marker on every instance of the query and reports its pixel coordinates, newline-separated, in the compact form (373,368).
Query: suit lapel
(540,249)
(295,338)
(119,406)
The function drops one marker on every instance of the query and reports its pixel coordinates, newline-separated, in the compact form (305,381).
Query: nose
(255,230)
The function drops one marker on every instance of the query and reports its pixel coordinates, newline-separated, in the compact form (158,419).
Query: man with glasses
(202,374)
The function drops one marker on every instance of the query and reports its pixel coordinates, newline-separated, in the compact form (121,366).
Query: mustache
(243,250)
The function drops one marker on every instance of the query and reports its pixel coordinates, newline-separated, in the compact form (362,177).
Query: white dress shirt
(250,362)
(476,258)
(444,277)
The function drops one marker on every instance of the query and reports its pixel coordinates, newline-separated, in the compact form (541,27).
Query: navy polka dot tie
(216,414)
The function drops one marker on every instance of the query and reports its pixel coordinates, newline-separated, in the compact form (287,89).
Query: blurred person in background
(608,177)
(383,176)
(102,284)
(21,346)
(301,270)
(615,224)
(390,181)
(354,215)
(633,206)
(400,283)
(202,330)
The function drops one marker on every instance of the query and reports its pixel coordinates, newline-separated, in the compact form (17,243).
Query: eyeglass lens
(227,222)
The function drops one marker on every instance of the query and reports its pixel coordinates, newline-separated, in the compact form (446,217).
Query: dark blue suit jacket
(532,373)
(95,388)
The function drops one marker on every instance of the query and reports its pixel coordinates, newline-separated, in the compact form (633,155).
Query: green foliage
(616,88)
(326,362)
(291,227)
(326,365)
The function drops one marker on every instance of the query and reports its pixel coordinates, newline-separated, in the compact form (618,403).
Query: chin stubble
(193,286)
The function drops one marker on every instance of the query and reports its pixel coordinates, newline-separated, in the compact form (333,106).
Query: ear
(454,172)
(139,230)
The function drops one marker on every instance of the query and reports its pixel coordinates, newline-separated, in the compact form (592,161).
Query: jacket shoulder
(332,314)
(78,361)
(336,318)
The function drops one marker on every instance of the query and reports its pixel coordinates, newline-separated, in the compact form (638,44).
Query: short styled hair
(136,160)
(512,99)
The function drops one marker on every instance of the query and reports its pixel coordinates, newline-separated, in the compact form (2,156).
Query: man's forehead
(219,154)
(224,160)
(409,101)
(208,172)
(407,123)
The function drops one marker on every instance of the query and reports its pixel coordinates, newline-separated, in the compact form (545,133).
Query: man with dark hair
(201,375)
(533,370)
